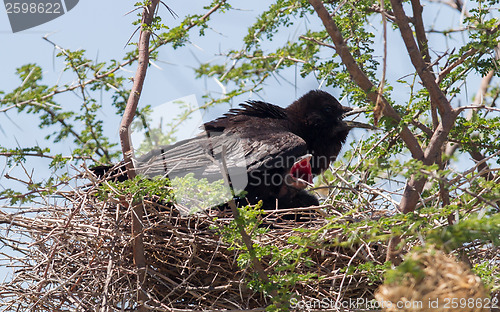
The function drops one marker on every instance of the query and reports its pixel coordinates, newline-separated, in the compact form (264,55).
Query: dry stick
(56,245)
(247,240)
(345,275)
(128,116)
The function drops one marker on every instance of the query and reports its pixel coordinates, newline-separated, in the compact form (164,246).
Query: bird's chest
(323,153)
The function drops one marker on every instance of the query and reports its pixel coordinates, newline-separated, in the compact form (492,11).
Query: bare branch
(41,155)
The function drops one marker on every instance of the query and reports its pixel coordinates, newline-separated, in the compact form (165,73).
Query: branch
(361,79)
(478,104)
(456,4)
(437,96)
(457,62)
(432,154)
(420,31)
(135,93)
(128,116)
(41,155)
(474,107)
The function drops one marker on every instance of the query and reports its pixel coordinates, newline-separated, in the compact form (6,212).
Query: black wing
(256,109)
(261,145)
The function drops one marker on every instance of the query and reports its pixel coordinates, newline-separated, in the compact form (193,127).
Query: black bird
(272,153)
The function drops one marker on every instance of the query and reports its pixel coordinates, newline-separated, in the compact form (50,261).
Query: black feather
(268,138)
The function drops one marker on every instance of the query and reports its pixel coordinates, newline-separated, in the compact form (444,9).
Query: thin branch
(41,155)
(379,104)
(457,62)
(473,107)
(388,14)
(317,42)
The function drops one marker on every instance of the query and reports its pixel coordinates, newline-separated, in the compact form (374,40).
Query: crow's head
(317,112)
(317,118)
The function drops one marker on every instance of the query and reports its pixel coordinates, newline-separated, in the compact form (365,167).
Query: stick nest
(75,252)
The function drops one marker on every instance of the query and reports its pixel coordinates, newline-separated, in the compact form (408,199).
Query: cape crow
(275,151)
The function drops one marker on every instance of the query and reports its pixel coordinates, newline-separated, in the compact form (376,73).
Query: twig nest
(431,280)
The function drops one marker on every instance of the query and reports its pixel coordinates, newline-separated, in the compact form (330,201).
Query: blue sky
(102,29)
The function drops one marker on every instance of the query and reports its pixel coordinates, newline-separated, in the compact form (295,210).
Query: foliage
(199,194)
(139,189)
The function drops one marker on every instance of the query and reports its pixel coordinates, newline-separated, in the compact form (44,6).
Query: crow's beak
(354,124)
(346,109)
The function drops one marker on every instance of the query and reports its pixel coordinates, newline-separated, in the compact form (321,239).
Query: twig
(379,104)
(457,62)
(247,240)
